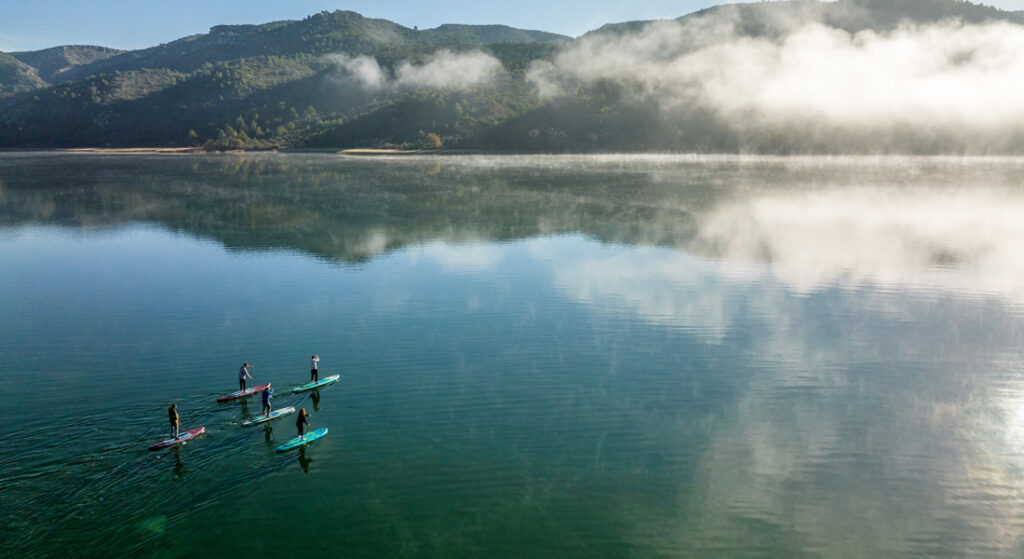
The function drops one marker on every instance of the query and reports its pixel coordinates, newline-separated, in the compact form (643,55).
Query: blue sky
(131,24)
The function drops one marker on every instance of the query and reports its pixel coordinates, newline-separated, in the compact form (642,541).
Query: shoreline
(392,152)
(144,151)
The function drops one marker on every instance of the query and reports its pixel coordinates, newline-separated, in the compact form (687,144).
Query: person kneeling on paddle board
(172,415)
(314,375)
(243,374)
(302,421)
(267,393)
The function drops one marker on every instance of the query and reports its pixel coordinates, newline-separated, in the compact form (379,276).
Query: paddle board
(319,384)
(276,414)
(242,393)
(299,441)
(182,437)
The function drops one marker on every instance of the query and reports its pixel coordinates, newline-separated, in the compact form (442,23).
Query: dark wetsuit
(301,422)
(172,416)
(267,393)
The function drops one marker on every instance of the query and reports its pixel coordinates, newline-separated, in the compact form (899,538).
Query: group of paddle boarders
(244,374)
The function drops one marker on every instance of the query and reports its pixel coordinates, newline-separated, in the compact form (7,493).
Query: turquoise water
(642,356)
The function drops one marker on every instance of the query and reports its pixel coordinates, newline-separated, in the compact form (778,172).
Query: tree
(432,141)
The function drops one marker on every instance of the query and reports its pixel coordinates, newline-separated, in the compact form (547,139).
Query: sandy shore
(362,152)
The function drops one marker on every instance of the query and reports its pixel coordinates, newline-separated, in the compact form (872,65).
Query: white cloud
(442,69)
(962,79)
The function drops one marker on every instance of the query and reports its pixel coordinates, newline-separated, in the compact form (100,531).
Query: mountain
(338,80)
(17,77)
(775,18)
(486,34)
(274,77)
(52,64)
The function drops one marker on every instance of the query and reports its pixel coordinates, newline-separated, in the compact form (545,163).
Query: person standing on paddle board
(314,375)
(172,416)
(267,393)
(243,374)
(302,421)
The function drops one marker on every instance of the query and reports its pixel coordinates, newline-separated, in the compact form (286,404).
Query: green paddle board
(299,441)
(319,384)
(276,414)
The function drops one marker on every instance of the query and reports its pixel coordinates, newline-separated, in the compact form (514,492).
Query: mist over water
(616,356)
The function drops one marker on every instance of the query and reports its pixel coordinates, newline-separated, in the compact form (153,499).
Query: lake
(554,356)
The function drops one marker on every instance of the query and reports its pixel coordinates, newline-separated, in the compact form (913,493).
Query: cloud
(443,69)
(949,78)
(363,70)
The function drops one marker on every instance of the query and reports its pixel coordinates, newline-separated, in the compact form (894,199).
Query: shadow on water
(304,460)
(180,470)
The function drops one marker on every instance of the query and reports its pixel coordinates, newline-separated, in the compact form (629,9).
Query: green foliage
(17,77)
(51,64)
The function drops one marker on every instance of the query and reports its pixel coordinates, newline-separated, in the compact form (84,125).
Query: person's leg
(174,429)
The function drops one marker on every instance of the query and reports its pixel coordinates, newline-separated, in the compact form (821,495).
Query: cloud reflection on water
(873,415)
(876,235)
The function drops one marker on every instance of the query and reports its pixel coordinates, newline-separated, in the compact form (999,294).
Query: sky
(133,24)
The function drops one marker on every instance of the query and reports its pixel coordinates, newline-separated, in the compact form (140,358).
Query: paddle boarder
(302,422)
(267,393)
(314,375)
(172,416)
(243,374)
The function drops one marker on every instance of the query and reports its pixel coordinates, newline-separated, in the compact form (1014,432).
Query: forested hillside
(726,79)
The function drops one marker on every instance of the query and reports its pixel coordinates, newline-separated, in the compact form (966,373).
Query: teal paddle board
(299,441)
(319,384)
(276,414)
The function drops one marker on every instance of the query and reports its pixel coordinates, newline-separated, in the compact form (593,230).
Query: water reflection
(180,471)
(764,357)
(880,235)
(304,461)
(817,221)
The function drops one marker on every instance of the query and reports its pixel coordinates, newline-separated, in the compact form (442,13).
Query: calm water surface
(634,356)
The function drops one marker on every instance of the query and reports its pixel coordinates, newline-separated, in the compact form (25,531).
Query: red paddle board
(182,437)
(242,393)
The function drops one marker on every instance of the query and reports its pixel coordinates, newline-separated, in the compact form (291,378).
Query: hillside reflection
(813,220)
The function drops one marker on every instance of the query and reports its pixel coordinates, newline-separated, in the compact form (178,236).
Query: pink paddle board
(242,393)
(182,437)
